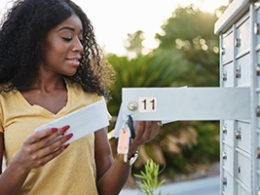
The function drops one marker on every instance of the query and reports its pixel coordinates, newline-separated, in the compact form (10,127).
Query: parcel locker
(239,32)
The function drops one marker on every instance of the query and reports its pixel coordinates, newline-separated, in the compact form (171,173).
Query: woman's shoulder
(6,88)
(8,94)
(5,85)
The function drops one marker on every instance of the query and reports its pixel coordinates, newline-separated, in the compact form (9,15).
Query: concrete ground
(204,186)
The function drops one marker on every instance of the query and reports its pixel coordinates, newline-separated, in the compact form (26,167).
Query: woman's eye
(67,39)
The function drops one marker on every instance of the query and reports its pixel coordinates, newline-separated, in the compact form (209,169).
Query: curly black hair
(26,25)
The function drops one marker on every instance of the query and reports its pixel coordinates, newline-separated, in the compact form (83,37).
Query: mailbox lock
(222,51)
(224,156)
(258,111)
(238,72)
(258,69)
(132,106)
(224,181)
(224,129)
(258,153)
(238,134)
(237,42)
(238,169)
(256,28)
(224,76)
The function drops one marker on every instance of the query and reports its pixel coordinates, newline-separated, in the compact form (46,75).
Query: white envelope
(82,122)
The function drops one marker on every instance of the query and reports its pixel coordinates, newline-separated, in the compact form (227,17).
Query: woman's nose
(77,46)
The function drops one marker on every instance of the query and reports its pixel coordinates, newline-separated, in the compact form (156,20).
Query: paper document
(83,121)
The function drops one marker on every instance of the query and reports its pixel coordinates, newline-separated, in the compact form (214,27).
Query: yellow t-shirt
(72,172)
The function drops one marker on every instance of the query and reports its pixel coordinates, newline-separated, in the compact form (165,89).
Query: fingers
(155,127)
(42,146)
(39,135)
(146,131)
(41,138)
(139,129)
(45,151)
(42,161)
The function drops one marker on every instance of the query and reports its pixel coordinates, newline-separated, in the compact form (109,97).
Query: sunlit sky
(114,19)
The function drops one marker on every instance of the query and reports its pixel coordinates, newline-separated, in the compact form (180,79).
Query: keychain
(126,133)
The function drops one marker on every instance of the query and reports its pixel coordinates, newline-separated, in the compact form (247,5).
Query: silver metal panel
(191,103)
(228,132)
(227,48)
(242,136)
(257,25)
(253,104)
(244,66)
(228,188)
(258,184)
(228,71)
(243,169)
(240,190)
(221,83)
(242,34)
(258,159)
(231,14)
(228,158)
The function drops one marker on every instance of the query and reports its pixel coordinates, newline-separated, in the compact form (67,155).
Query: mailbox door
(227,184)
(228,158)
(227,48)
(242,45)
(242,136)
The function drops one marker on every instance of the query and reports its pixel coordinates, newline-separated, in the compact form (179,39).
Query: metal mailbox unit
(239,30)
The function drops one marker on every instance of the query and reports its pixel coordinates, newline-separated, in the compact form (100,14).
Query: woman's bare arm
(111,175)
(13,177)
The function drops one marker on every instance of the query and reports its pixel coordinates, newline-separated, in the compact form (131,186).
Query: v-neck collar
(44,110)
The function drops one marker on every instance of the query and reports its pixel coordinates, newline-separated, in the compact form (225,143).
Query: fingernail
(65,128)
(69,136)
(67,145)
(53,130)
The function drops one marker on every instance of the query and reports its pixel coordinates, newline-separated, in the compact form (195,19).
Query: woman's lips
(74,62)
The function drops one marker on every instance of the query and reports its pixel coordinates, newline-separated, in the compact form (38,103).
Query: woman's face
(62,48)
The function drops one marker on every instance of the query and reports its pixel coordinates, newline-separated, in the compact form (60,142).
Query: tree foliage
(134,42)
(190,31)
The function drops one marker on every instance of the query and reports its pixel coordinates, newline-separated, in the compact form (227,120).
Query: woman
(50,66)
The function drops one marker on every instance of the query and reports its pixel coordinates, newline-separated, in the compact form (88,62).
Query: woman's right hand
(35,152)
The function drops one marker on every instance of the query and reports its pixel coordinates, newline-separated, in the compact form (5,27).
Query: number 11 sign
(147,104)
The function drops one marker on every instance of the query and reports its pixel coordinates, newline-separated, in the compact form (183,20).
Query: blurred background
(162,43)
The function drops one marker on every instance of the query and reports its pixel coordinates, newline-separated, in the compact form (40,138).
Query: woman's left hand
(145,131)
